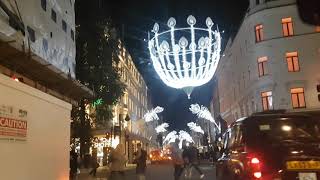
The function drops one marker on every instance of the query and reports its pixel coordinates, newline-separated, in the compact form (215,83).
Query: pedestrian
(94,165)
(73,165)
(190,156)
(118,163)
(141,161)
(177,159)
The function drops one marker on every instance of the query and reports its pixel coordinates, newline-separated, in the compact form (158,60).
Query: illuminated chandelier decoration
(184,65)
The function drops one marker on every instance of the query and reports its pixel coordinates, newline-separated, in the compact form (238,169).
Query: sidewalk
(102,173)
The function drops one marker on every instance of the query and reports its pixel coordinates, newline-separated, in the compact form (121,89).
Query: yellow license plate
(303,165)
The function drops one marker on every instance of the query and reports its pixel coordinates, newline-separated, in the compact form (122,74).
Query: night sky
(136,18)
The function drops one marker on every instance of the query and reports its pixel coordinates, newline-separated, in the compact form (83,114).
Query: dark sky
(136,18)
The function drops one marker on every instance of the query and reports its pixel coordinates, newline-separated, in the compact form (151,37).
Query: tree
(97,60)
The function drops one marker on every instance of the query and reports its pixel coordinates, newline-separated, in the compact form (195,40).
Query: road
(154,172)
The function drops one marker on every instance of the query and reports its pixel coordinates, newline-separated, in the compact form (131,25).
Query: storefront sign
(13,123)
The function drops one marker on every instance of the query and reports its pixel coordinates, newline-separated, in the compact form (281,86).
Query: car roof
(273,115)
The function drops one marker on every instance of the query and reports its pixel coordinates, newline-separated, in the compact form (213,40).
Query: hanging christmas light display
(162,128)
(171,137)
(182,136)
(181,64)
(153,114)
(203,112)
(194,127)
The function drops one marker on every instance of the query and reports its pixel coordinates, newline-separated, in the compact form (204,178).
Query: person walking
(118,163)
(141,161)
(190,156)
(177,160)
(94,165)
(73,164)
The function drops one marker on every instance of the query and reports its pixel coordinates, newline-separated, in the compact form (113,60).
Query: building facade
(272,63)
(128,126)
(37,88)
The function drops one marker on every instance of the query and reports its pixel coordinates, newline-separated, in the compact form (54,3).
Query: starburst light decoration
(194,127)
(153,114)
(184,65)
(162,128)
(203,112)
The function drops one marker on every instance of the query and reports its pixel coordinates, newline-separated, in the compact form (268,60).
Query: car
(271,146)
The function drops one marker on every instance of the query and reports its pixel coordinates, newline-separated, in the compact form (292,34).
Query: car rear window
(279,129)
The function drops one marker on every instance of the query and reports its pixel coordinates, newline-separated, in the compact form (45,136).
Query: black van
(277,146)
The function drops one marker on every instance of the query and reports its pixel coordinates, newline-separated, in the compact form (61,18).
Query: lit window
(266,98)
(287,27)
(293,61)
(317,28)
(262,66)
(259,33)
(297,98)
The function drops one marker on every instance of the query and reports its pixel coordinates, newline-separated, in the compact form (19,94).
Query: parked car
(276,146)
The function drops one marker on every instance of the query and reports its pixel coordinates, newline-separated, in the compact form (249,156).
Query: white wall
(45,153)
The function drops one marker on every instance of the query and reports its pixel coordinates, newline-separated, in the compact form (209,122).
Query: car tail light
(255,167)
(257,175)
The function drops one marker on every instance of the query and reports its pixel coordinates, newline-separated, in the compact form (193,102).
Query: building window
(293,61)
(317,28)
(262,66)
(44,4)
(72,34)
(53,15)
(257,2)
(287,26)
(259,32)
(64,26)
(266,98)
(32,34)
(297,98)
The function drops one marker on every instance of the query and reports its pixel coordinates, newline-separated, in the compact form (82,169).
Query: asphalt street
(154,172)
